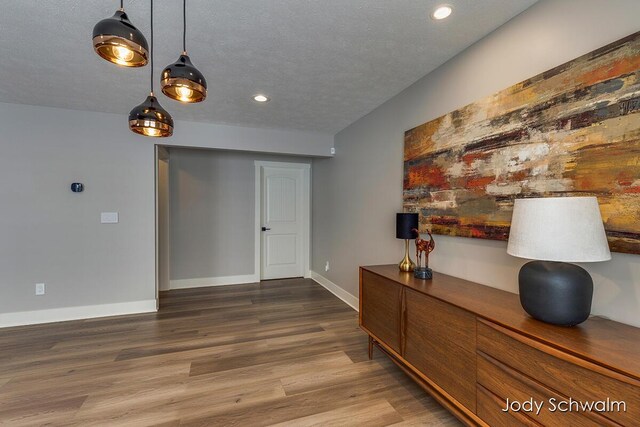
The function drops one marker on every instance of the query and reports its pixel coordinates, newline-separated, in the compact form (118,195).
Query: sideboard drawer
(381,300)
(560,372)
(490,410)
(508,383)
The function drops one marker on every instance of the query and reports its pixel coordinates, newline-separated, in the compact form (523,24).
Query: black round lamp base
(556,292)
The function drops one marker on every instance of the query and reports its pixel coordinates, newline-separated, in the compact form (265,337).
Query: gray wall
(357,193)
(162,218)
(212,198)
(227,137)
(49,234)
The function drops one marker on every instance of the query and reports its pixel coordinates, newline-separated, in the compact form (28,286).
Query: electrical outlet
(332,151)
(326,266)
(39,288)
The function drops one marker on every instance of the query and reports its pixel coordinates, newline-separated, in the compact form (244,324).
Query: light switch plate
(39,288)
(109,217)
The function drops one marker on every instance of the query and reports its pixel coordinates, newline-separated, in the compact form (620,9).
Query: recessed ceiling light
(261,98)
(441,12)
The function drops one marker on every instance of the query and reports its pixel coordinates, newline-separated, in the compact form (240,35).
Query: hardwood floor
(276,353)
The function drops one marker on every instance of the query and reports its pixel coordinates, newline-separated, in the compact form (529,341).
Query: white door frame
(306,213)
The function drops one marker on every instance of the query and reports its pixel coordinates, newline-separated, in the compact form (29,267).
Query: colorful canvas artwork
(571,131)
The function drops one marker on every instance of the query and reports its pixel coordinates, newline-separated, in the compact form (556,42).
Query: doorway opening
(211,208)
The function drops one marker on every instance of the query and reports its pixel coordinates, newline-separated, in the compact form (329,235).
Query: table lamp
(557,231)
(405,222)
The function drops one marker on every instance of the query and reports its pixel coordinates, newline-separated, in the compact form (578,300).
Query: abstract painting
(571,131)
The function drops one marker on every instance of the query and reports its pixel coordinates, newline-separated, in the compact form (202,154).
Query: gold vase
(406,264)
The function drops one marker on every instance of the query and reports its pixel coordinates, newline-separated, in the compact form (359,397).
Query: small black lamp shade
(117,40)
(150,119)
(405,222)
(183,82)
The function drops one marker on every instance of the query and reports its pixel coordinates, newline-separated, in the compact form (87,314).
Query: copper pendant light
(181,80)
(149,118)
(118,41)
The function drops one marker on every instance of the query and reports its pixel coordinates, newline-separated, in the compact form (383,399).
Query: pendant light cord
(121,4)
(152,46)
(184,26)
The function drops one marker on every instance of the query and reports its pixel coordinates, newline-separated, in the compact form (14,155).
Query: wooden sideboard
(473,348)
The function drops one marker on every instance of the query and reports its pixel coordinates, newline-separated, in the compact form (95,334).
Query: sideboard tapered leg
(370,347)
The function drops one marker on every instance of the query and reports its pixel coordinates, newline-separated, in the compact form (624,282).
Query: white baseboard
(75,313)
(202,282)
(345,296)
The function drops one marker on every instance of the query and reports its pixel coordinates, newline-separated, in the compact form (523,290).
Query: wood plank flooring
(284,353)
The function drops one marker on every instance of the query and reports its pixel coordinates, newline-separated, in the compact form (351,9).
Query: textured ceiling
(324,63)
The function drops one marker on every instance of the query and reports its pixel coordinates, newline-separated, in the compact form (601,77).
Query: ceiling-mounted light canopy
(117,40)
(149,118)
(181,80)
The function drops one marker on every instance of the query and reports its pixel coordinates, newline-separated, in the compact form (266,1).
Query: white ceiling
(324,63)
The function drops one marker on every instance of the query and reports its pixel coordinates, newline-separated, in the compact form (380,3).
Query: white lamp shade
(566,229)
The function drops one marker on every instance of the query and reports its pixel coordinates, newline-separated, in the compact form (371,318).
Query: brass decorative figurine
(405,224)
(423,247)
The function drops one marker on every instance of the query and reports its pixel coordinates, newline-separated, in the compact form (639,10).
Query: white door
(282,231)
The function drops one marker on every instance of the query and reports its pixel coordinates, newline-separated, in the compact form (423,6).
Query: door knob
(265,229)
